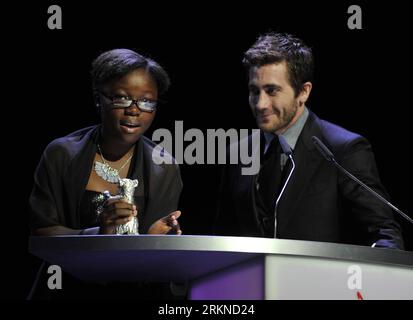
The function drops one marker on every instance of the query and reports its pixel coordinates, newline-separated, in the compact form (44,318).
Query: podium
(235,267)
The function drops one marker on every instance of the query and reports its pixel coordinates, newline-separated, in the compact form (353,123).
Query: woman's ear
(96,98)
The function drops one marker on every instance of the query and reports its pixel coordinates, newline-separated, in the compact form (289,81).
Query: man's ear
(305,92)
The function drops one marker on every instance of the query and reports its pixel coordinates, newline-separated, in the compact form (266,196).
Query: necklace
(106,172)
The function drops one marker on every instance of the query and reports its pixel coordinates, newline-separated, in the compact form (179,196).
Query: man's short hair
(278,47)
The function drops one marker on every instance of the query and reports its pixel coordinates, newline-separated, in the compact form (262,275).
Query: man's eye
(272,92)
(254,92)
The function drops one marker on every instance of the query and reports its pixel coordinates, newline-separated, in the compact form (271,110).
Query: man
(319,203)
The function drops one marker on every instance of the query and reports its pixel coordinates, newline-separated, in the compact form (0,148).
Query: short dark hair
(278,47)
(114,64)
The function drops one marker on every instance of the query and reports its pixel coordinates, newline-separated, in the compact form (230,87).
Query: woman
(75,170)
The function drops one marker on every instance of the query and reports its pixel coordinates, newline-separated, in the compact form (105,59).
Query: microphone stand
(348,174)
(326,153)
(282,191)
(286,150)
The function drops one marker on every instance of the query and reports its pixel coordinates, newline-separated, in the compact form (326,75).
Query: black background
(362,82)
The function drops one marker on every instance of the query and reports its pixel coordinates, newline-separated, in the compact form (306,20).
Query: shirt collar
(291,134)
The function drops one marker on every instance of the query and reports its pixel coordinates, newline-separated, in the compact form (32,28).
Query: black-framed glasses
(123,102)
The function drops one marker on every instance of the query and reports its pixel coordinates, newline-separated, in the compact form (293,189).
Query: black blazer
(63,172)
(319,203)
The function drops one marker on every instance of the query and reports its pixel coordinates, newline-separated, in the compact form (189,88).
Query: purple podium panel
(244,281)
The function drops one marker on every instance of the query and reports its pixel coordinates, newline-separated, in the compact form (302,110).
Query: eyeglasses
(118,101)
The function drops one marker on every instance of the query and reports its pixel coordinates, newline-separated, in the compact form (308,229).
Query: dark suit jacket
(63,172)
(319,203)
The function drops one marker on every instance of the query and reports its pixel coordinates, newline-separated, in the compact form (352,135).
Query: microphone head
(285,146)
(325,152)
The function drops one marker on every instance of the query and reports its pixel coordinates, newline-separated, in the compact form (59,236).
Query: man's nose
(263,101)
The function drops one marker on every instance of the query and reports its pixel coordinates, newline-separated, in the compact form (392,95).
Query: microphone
(288,152)
(328,155)
(285,146)
(323,149)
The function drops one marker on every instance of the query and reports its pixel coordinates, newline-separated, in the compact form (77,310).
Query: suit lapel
(307,162)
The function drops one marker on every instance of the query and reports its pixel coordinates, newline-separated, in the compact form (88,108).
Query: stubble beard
(286,119)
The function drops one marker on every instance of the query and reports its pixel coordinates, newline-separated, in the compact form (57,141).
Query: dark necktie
(270,176)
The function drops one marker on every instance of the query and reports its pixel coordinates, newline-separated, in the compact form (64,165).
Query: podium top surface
(112,258)
(106,259)
(243,245)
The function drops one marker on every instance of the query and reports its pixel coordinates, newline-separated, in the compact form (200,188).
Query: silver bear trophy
(126,191)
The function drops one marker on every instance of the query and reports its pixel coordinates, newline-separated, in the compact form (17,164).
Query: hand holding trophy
(126,191)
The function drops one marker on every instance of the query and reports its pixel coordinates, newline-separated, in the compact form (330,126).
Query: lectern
(235,267)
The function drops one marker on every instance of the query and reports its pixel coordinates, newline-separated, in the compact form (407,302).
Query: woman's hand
(168,224)
(115,212)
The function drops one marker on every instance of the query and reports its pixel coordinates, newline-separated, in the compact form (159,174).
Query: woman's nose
(133,109)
